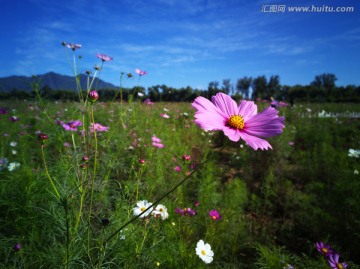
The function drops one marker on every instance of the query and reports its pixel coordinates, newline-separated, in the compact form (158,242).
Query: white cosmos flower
(12,166)
(13,144)
(141,206)
(204,251)
(354,153)
(161,210)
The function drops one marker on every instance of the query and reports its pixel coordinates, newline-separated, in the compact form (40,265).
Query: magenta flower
(185,212)
(186,158)
(282,104)
(103,57)
(148,102)
(43,137)
(177,168)
(93,96)
(17,247)
(238,122)
(324,249)
(334,262)
(98,128)
(215,215)
(72,125)
(140,72)
(3,110)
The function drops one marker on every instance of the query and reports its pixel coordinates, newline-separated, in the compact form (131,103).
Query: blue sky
(183,42)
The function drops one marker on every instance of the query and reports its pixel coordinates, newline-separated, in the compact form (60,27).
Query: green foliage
(278,202)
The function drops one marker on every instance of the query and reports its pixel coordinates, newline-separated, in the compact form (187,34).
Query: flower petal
(231,133)
(265,124)
(225,103)
(247,109)
(208,116)
(255,142)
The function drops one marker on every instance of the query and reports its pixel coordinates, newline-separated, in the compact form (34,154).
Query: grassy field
(68,196)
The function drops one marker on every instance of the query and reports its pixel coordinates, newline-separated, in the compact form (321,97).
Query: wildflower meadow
(215,183)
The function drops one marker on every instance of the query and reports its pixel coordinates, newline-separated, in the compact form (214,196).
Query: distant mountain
(52,80)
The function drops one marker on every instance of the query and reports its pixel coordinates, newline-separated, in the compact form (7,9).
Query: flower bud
(43,137)
(17,247)
(93,96)
(83,166)
(186,158)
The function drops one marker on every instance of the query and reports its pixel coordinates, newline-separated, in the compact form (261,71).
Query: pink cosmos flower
(238,122)
(98,128)
(140,72)
(148,102)
(185,212)
(156,142)
(186,158)
(283,104)
(177,168)
(66,144)
(103,57)
(166,116)
(334,262)
(324,249)
(215,215)
(72,125)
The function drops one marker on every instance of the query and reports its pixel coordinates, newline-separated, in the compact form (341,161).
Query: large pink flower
(238,121)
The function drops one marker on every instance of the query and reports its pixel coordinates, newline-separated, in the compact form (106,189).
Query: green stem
(138,249)
(94,173)
(47,172)
(82,195)
(67,233)
(138,175)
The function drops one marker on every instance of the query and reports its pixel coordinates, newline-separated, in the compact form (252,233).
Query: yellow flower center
(203,252)
(143,209)
(236,122)
(324,250)
(339,265)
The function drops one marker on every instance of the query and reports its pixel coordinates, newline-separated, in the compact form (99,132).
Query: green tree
(259,86)
(243,86)
(227,87)
(273,87)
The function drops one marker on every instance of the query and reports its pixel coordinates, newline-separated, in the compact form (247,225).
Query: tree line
(322,89)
